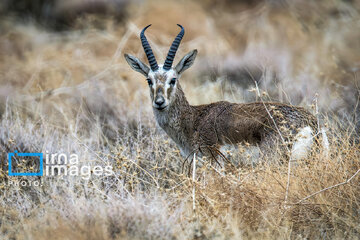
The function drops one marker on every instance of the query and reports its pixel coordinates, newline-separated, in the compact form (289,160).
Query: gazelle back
(205,128)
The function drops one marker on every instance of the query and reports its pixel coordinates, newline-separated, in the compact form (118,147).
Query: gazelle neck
(178,120)
(180,102)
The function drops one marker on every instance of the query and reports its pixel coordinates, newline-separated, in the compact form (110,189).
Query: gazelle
(206,128)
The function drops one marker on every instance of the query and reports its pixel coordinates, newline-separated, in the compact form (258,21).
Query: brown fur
(212,125)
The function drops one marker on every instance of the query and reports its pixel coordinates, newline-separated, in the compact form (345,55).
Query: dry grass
(73,92)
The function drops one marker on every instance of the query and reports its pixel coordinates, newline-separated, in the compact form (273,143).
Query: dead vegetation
(73,92)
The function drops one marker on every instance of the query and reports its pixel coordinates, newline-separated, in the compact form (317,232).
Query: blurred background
(66,52)
(65,87)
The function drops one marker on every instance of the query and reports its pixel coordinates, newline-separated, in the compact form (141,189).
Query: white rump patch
(302,144)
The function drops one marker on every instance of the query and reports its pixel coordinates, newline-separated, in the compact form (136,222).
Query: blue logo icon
(39,155)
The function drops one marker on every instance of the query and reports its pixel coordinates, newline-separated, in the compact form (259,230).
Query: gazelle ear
(186,62)
(137,65)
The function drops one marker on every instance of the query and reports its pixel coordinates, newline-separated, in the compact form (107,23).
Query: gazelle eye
(149,82)
(173,81)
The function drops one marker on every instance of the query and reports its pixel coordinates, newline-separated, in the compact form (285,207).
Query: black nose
(159,101)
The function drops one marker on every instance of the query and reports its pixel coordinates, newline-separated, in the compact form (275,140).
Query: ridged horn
(174,47)
(148,51)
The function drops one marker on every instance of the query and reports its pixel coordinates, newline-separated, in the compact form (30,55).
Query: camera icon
(15,153)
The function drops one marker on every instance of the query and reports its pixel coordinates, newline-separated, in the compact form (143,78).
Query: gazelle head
(162,79)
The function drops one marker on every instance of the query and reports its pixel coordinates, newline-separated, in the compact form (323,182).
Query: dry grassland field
(109,171)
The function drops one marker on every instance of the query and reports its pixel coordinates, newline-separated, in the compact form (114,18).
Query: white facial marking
(161,79)
(169,75)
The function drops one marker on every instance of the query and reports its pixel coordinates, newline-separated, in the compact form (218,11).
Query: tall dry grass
(73,92)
